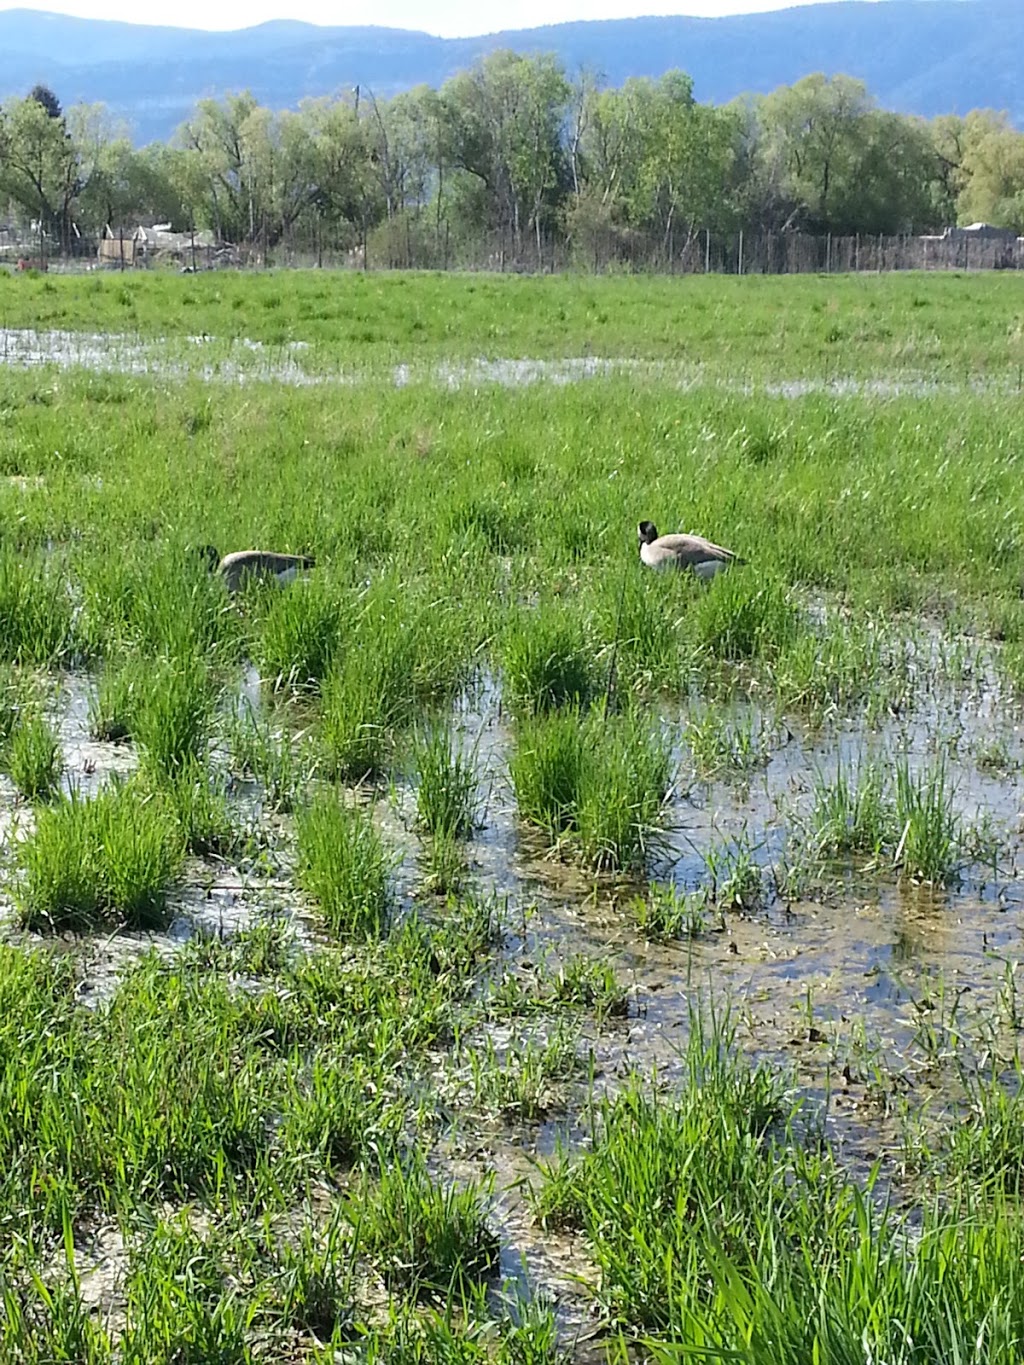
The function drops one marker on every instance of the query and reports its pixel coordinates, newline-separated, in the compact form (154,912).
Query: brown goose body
(695,553)
(241,566)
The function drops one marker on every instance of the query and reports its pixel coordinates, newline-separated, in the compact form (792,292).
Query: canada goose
(701,556)
(242,565)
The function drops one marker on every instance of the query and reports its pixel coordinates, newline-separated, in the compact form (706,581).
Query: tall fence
(699,252)
(413,243)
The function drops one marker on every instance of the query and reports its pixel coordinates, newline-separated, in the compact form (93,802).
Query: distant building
(143,246)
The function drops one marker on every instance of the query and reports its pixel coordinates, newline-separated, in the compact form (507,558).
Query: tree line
(516,150)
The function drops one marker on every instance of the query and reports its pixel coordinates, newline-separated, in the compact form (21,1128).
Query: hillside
(916,56)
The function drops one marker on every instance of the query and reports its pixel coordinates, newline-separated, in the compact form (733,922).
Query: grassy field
(484,949)
(952,326)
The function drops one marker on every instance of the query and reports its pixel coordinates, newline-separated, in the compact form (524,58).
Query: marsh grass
(741,617)
(833,669)
(113,704)
(160,602)
(367,700)
(444,864)
(623,785)
(853,811)
(343,865)
(547,662)
(447,797)
(529,1077)
(172,711)
(268,757)
(427,1238)
(32,756)
(736,880)
(592,985)
(545,769)
(194,1103)
(301,634)
(717,746)
(35,611)
(931,838)
(199,800)
(598,781)
(13,695)
(111,858)
(667,912)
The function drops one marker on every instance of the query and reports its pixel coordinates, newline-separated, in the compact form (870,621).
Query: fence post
(707,251)
(740,261)
(828,254)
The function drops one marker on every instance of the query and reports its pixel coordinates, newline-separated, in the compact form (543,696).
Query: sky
(447,18)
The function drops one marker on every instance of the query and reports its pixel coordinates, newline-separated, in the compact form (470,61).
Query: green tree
(42,167)
(504,124)
(992,167)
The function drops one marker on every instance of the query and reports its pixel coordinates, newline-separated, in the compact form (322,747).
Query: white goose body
(700,556)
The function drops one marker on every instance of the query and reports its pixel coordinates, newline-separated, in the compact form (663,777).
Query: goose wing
(690,549)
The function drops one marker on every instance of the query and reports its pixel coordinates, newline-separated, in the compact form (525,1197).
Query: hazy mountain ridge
(917,56)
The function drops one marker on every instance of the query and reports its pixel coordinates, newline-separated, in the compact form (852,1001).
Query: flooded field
(483,947)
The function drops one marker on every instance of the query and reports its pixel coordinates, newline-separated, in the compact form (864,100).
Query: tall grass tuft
(546,662)
(598,781)
(426,1238)
(367,699)
(108,859)
(446,794)
(32,756)
(35,612)
(741,617)
(546,767)
(301,635)
(173,709)
(148,600)
(853,811)
(931,832)
(112,706)
(623,783)
(200,803)
(342,863)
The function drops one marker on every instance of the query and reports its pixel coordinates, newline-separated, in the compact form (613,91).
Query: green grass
(35,611)
(425,1237)
(289,1128)
(965,327)
(171,715)
(547,663)
(343,865)
(111,858)
(596,782)
(33,758)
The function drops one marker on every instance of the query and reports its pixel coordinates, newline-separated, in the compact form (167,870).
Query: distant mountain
(916,56)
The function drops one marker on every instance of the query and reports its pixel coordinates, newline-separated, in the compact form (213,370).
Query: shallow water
(860,992)
(240,360)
